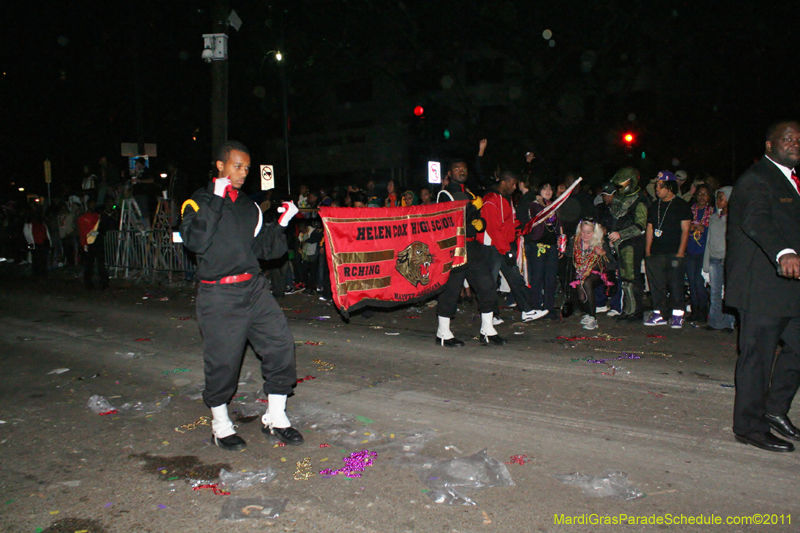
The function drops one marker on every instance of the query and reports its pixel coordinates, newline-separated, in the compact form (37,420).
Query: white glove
(289,210)
(220,185)
(706,277)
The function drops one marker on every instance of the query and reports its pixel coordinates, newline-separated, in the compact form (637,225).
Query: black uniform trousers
(760,387)
(478,274)
(230,316)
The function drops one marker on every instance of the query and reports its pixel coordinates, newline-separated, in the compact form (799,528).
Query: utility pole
(285,103)
(219,81)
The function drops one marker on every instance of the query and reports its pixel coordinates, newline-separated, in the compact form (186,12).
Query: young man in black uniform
(226,230)
(477,271)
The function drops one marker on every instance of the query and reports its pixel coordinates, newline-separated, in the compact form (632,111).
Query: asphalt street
(654,403)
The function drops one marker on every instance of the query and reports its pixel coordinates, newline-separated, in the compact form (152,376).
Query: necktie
(796,181)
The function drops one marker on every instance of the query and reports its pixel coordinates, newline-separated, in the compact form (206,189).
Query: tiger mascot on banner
(414,263)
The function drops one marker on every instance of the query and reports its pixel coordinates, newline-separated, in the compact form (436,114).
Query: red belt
(471,239)
(230,279)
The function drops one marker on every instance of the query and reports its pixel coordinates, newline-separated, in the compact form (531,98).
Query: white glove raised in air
(289,210)
(220,185)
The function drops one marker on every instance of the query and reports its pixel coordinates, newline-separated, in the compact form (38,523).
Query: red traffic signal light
(419,111)
(628,138)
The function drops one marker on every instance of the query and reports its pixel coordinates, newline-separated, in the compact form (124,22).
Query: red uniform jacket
(501,222)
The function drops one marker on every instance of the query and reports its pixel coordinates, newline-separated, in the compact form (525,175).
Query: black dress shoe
(766,441)
(783,426)
(497,340)
(290,436)
(232,443)
(449,343)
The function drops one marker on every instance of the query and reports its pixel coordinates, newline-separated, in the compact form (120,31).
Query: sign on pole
(48,173)
(434,172)
(267,177)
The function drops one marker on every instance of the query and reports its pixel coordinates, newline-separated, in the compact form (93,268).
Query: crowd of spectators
(569,254)
(570,262)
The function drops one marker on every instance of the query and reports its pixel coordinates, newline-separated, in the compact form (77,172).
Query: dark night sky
(702,80)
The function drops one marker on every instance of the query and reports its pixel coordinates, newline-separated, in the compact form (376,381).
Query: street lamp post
(279,57)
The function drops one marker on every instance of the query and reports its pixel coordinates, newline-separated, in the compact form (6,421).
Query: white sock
(275,417)
(677,312)
(486,324)
(443,332)
(221,424)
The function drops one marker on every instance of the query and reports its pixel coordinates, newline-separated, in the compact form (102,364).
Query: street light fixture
(279,59)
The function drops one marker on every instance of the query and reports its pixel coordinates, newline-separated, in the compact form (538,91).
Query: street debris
(609,484)
(202,421)
(303,470)
(243,480)
(100,406)
(598,337)
(354,464)
(322,366)
(236,508)
(214,488)
(518,460)
(449,478)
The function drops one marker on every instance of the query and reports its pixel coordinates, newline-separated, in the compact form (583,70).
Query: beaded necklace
(585,260)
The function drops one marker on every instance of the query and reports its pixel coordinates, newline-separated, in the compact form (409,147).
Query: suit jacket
(763,219)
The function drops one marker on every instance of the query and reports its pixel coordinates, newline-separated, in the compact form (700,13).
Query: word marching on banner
(390,255)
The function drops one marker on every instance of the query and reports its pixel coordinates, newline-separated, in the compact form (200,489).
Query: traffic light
(628,139)
(419,111)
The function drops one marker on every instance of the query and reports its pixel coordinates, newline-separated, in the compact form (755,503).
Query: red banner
(389,255)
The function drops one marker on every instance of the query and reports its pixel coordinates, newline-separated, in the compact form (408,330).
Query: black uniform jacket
(228,237)
(763,219)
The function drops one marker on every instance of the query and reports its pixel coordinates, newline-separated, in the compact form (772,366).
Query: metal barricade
(137,254)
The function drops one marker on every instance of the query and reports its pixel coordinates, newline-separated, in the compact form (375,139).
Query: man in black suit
(763,269)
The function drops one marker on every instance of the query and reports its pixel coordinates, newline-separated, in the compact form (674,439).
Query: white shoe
(586,318)
(591,323)
(535,314)
(613,312)
(601,309)
(496,320)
